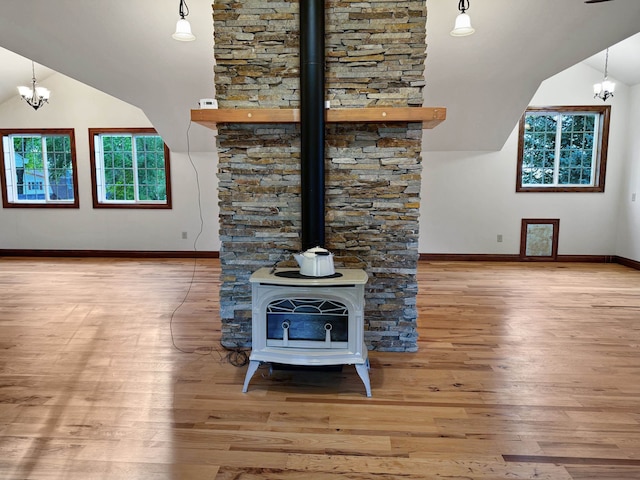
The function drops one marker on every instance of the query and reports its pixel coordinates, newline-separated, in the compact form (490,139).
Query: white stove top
(349,276)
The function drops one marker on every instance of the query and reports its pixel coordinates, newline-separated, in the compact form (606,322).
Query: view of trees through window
(562,148)
(130,168)
(129,180)
(39,167)
(43,167)
(567,138)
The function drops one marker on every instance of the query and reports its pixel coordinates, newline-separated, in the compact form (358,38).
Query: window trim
(601,154)
(94,184)
(5,132)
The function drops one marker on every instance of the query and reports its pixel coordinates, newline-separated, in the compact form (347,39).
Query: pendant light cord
(183,10)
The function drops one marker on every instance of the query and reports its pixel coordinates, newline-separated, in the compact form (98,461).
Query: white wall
(75,105)
(468,198)
(628,245)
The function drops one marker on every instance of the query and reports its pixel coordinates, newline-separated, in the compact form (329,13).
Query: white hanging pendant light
(183,27)
(462,27)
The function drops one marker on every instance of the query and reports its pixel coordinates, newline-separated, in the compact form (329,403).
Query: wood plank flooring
(525,371)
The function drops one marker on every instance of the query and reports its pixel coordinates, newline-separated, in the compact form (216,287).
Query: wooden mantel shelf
(429,116)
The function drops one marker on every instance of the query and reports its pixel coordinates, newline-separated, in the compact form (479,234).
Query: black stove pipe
(312,122)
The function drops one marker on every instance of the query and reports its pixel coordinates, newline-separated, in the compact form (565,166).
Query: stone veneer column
(375,57)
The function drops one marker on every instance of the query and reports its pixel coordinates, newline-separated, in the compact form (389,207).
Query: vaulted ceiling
(486,80)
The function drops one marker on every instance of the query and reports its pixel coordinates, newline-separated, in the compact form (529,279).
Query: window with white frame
(38,168)
(563,149)
(130,168)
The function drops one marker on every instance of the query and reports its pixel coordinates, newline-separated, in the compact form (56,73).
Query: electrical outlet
(633,197)
(184,235)
(499,238)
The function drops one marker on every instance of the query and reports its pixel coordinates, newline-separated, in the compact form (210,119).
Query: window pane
(549,159)
(29,168)
(567,123)
(574,176)
(150,162)
(579,146)
(539,149)
(59,168)
(118,167)
(569,163)
(130,192)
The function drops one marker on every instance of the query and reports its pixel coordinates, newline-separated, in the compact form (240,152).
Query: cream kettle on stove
(315,262)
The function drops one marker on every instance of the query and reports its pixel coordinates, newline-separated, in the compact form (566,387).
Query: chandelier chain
(183,9)
(463,5)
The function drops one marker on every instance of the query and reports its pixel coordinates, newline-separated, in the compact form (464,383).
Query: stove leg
(253,366)
(363,371)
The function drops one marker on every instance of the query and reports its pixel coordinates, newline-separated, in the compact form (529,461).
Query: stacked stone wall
(375,53)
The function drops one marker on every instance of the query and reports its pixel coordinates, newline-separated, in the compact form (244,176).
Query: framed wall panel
(539,239)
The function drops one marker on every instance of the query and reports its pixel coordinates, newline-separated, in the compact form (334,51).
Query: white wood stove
(309,321)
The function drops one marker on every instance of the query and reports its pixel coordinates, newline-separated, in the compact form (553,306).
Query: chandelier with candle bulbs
(604,89)
(35,96)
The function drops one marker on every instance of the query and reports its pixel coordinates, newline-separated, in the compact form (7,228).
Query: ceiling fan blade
(596,1)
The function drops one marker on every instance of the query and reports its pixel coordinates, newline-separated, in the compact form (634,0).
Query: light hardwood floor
(525,371)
